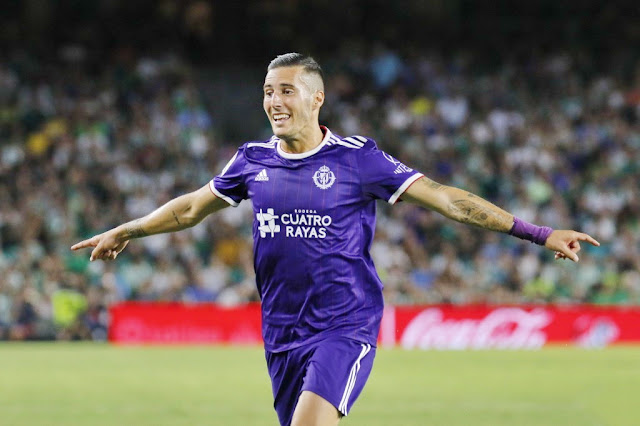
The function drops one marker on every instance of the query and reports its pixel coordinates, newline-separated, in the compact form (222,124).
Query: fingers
(571,255)
(567,245)
(587,238)
(100,252)
(566,251)
(91,242)
(105,247)
(96,253)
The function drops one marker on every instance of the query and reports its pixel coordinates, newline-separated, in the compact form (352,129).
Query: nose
(276,101)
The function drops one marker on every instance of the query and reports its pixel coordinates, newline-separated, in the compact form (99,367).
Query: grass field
(90,384)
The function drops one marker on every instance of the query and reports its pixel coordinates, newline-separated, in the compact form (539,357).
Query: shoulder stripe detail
(333,140)
(354,141)
(360,138)
(270,144)
(348,145)
(229,164)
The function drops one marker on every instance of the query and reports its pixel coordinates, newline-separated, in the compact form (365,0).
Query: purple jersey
(315,215)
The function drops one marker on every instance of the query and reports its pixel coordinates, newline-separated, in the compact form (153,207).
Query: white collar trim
(306,154)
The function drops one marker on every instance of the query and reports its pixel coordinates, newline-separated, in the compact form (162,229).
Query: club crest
(324,177)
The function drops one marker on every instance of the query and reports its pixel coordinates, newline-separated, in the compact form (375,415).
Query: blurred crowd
(83,149)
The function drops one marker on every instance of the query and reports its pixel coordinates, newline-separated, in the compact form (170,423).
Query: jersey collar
(289,156)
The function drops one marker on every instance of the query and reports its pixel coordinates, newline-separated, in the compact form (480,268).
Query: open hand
(566,243)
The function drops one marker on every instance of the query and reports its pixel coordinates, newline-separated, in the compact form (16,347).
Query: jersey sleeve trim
(221,195)
(407,183)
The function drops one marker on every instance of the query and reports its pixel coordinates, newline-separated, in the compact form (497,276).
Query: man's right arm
(180,213)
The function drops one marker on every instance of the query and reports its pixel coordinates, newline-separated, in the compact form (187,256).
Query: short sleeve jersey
(314,222)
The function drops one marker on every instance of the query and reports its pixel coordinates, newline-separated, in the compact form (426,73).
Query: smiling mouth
(280,118)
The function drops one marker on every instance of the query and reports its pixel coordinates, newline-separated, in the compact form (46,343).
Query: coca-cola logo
(595,332)
(502,328)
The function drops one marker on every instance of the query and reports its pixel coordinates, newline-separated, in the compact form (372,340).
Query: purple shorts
(336,368)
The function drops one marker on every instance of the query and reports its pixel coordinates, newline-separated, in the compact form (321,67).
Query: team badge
(324,178)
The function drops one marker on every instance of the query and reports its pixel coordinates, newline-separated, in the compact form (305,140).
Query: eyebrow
(281,85)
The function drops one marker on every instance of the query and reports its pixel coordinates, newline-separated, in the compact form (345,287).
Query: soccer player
(314,198)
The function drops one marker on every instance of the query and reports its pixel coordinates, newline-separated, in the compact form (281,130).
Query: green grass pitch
(92,384)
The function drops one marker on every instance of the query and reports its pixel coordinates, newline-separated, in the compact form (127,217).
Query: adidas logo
(262,176)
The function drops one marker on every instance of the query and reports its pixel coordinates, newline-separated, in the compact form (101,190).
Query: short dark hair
(297,59)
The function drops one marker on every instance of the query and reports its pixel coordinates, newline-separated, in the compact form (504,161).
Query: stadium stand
(88,139)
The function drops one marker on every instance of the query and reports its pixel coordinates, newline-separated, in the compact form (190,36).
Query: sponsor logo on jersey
(401,167)
(390,158)
(262,176)
(267,223)
(324,178)
(302,223)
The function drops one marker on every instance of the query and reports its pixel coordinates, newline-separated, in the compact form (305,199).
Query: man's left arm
(465,207)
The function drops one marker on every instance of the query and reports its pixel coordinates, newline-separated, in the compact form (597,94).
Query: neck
(303,142)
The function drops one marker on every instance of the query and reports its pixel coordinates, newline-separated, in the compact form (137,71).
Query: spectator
(78,148)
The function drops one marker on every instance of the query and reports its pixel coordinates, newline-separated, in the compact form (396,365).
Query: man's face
(290,101)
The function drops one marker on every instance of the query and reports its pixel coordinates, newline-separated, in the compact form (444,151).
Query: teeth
(280,116)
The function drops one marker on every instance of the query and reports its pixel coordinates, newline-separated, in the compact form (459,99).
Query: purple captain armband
(529,231)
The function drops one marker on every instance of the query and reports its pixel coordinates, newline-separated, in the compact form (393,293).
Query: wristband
(530,232)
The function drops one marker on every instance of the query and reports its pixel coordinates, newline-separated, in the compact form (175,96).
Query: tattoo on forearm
(175,216)
(433,184)
(134,230)
(476,211)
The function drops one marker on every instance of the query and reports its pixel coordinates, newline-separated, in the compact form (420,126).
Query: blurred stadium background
(109,108)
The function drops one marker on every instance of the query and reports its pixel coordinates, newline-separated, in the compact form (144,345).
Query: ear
(318,98)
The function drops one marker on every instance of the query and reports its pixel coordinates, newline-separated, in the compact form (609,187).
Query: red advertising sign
(411,327)
(176,323)
(509,327)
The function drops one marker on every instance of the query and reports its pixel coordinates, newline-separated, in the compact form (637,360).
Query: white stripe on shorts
(352,380)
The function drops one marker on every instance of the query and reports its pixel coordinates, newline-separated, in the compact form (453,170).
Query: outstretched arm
(465,207)
(180,213)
